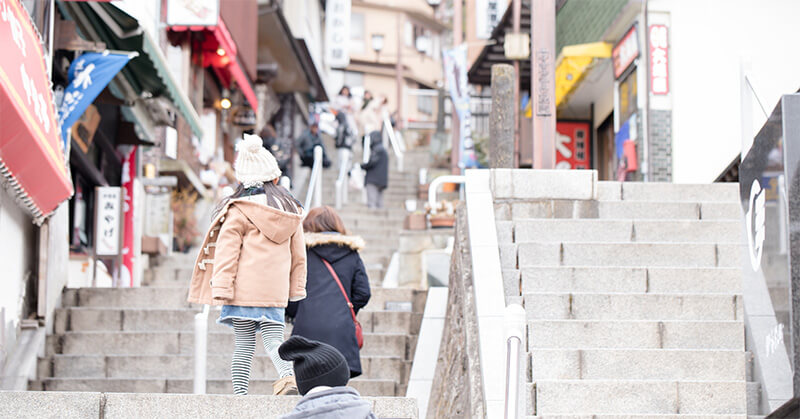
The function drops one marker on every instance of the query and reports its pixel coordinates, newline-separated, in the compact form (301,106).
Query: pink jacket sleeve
(226,257)
(297,276)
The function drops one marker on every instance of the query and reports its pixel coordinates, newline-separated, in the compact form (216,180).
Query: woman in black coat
(377,168)
(324,315)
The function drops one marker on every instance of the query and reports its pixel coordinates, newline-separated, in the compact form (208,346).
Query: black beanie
(315,363)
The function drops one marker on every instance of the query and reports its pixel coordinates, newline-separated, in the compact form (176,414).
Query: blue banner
(455,72)
(88,75)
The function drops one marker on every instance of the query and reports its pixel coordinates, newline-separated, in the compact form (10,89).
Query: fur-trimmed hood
(318,239)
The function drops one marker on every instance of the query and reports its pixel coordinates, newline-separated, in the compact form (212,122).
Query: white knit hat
(254,164)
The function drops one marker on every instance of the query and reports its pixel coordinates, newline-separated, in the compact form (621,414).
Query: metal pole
(200,350)
(516,16)
(514,324)
(318,184)
(455,151)
(543,85)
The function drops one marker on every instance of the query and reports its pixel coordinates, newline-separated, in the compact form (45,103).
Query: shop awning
(149,73)
(577,22)
(283,59)
(220,53)
(572,65)
(31,154)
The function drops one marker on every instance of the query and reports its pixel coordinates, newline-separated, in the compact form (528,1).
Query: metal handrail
(514,335)
(433,188)
(201,350)
(341,186)
(315,183)
(397,147)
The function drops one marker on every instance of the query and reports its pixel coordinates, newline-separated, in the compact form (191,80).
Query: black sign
(244,117)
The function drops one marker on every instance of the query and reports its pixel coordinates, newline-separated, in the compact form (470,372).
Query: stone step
(568,397)
(587,306)
(175,297)
(643,280)
(171,277)
(81,405)
(753,398)
(92,319)
(695,255)
(182,343)
(637,364)
(380,388)
(628,334)
(654,191)
(182,367)
(649,416)
(606,230)
(669,210)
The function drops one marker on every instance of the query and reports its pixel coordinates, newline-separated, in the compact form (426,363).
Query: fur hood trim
(317,239)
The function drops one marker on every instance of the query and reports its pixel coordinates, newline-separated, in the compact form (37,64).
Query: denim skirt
(257,314)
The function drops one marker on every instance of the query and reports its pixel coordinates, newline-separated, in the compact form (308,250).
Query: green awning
(148,74)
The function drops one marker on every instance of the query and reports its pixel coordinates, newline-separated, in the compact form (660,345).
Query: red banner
(30,147)
(573,145)
(128,175)
(659,59)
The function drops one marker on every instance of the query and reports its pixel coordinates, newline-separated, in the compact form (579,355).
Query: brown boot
(286,386)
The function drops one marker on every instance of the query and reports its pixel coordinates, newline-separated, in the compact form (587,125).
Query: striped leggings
(245,337)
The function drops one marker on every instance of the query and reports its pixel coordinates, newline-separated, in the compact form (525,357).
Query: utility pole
(543,84)
(455,152)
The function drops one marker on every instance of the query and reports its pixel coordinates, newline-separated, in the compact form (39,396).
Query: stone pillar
(501,119)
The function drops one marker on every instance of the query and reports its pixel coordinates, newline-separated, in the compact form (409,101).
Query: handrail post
(318,190)
(515,361)
(395,142)
(434,186)
(200,350)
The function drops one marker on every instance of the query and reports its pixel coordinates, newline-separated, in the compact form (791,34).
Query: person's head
(344,91)
(268,132)
(375,140)
(315,363)
(367,95)
(323,219)
(314,128)
(257,172)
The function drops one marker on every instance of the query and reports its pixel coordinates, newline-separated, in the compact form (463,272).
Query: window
(425,104)
(357,32)
(353,79)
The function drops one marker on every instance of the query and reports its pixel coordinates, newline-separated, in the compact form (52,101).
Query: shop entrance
(604,157)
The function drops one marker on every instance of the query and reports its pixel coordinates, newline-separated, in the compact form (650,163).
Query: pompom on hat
(254,165)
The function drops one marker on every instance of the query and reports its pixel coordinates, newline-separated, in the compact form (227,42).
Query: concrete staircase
(633,301)
(142,340)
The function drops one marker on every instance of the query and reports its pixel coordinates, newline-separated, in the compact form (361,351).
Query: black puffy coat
(378,165)
(323,315)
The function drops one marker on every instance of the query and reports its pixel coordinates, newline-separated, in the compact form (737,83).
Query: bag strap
(339,282)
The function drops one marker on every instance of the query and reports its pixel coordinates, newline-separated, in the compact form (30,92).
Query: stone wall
(457,387)
(660,146)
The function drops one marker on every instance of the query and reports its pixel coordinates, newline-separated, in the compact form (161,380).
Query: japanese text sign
(487,15)
(192,12)
(337,33)
(572,145)
(108,211)
(659,59)
(88,75)
(455,72)
(625,52)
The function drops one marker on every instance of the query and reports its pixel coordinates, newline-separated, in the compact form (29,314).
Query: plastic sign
(488,14)
(659,59)
(572,145)
(625,52)
(192,12)
(107,234)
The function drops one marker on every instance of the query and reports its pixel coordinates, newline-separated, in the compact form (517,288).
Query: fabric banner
(88,75)
(455,70)
(128,242)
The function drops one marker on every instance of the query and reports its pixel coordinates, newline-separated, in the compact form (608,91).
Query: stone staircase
(633,301)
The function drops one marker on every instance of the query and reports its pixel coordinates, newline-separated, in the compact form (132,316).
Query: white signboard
(108,221)
(337,33)
(487,15)
(192,12)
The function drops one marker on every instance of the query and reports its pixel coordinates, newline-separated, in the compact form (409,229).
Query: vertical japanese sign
(625,52)
(659,59)
(572,145)
(88,75)
(192,12)
(455,70)
(337,33)
(107,223)
(487,15)
(128,242)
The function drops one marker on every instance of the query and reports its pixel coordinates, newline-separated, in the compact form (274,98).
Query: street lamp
(377,44)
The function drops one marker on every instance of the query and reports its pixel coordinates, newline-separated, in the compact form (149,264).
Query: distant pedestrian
(346,130)
(322,377)
(326,314)
(280,147)
(306,144)
(377,168)
(259,226)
